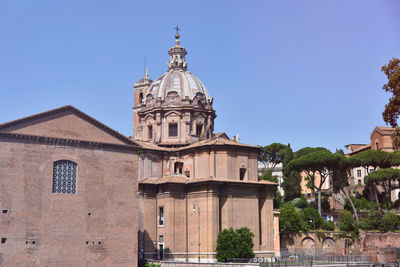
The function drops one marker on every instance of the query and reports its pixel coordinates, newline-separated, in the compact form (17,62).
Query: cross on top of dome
(177,54)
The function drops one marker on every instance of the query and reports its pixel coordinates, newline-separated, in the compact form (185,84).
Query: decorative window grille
(64,177)
(173,129)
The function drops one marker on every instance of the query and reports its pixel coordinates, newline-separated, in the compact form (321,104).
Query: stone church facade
(74,192)
(193,182)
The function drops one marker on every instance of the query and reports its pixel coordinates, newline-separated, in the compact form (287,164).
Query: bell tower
(140,89)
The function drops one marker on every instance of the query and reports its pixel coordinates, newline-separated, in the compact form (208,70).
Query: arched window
(64,177)
(140,97)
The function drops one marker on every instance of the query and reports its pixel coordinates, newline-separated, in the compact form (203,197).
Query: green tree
(289,221)
(346,221)
(390,222)
(375,159)
(392,109)
(291,178)
(310,219)
(266,174)
(272,155)
(234,244)
(318,162)
(372,222)
(301,202)
(383,177)
(340,179)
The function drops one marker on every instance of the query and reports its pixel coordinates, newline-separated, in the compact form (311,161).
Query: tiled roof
(181,179)
(219,139)
(383,130)
(359,149)
(75,111)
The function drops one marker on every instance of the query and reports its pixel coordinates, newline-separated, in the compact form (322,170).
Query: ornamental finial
(177,35)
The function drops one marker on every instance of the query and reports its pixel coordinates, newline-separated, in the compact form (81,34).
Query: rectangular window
(161,251)
(371,170)
(161,215)
(173,129)
(358,173)
(150,132)
(3,240)
(199,128)
(178,167)
(161,239)
(242,173)
(64,177)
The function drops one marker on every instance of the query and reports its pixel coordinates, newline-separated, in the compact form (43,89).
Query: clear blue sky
(299,72)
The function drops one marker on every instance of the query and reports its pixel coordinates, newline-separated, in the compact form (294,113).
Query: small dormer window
(173,129)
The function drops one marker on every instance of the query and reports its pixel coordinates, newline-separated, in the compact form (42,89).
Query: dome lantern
(177,54)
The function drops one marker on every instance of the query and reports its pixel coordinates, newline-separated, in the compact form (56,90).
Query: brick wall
(95,226)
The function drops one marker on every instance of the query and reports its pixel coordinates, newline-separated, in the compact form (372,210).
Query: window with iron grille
(64,177)
(173,129)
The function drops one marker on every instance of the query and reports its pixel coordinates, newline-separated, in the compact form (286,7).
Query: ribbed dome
(180,81)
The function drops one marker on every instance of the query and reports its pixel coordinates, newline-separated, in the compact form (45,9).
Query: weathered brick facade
(97,226)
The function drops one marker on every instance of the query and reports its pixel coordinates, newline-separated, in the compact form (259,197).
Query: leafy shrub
(346,221)
(390,222)
(234,244)
(325,205)
(301,202)
(151,264)
(360,204)
(289,220)
(364,204)
(372,222)
(328,225)
(310,219)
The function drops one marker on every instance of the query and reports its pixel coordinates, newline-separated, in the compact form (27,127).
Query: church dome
(185,84)
(177,79)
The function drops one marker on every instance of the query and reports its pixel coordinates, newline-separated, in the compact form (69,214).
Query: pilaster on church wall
(253,166)
(222,164)
(212,162)
(208,202)
(266,205)
(232,165)
(203,163)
